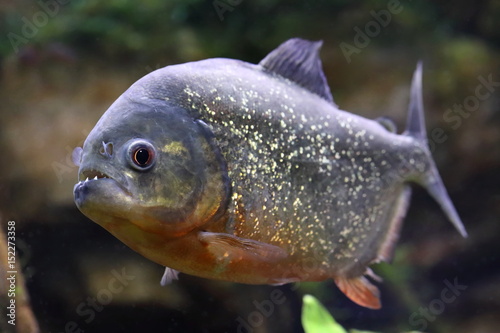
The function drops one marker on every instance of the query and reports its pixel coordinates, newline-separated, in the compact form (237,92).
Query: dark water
(64,63)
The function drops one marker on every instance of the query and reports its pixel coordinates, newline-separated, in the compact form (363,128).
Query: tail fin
(415,128)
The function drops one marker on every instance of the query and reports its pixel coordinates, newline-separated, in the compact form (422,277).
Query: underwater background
(63,62)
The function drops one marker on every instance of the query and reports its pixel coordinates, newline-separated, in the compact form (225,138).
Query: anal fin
(360,291)
(229,247)
(399,209)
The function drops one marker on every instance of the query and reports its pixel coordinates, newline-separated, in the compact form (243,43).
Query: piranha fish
(251,173)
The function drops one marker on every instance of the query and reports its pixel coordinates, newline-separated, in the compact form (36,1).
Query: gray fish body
(295,188)
(301,170)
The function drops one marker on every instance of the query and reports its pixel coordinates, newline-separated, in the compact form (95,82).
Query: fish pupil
(142,157)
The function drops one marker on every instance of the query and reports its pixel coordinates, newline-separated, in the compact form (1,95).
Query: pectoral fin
(169,275)
(360,291)
(229,247)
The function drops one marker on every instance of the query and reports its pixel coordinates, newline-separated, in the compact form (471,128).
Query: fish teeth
(95,178)
(87,179)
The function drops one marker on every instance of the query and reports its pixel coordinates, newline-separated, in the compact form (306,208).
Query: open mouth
(87,175)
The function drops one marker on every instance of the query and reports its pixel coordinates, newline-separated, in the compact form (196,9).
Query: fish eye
(142,155)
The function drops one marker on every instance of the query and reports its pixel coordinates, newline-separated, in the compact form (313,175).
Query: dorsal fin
(298,60)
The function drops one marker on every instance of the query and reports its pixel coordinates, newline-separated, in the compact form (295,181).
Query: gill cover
(182,179)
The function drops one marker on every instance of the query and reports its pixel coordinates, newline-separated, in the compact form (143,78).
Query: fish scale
(276,137)
(252,174)
(265,148)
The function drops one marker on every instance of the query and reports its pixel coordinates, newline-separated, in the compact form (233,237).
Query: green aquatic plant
(317,319)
